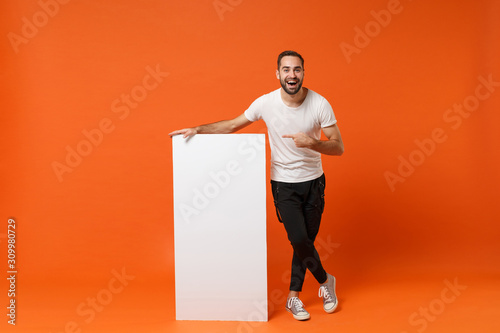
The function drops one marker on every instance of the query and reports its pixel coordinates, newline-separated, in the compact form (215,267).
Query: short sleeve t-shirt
(289,163)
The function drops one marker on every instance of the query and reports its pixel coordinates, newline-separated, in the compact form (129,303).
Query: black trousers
(299,207)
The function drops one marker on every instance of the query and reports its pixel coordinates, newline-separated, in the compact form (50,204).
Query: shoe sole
(332,309)
(300,318)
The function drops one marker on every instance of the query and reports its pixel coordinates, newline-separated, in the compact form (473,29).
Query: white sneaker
(327,291)
(295,306)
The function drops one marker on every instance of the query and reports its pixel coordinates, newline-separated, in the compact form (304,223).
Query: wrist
(315,144)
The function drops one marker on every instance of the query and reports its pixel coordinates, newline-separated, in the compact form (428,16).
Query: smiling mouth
(292,83)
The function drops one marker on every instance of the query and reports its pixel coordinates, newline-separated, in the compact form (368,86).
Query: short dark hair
(289,53)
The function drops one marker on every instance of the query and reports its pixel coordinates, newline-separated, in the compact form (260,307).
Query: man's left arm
(332,146)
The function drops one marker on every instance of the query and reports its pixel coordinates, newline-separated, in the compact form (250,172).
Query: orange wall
(76,70)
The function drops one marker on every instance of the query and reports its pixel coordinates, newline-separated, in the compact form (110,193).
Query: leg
(290,201)
(313,211)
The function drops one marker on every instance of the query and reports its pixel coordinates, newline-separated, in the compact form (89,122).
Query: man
(294,116)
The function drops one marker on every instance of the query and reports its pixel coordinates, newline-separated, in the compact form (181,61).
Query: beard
(294,89)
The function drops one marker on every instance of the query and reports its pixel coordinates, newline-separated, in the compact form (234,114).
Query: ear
(278,74)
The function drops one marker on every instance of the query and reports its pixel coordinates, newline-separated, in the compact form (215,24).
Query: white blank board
(220,227)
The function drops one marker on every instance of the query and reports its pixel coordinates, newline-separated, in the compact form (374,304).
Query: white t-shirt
(289,163)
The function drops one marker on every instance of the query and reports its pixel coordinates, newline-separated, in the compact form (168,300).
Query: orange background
(391,249)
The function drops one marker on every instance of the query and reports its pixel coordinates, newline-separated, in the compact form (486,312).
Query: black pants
(299,207)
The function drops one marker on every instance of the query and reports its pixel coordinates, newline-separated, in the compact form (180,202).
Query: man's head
(290,71)
(290,54)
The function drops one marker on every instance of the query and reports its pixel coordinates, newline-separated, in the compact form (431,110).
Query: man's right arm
(220,127)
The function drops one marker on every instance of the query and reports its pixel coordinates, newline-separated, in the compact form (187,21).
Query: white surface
(220,227)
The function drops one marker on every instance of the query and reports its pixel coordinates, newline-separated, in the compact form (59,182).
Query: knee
(300,242)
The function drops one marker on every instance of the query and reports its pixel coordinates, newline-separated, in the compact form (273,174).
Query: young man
(295,117)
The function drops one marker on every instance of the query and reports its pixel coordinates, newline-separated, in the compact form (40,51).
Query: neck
(294,100)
